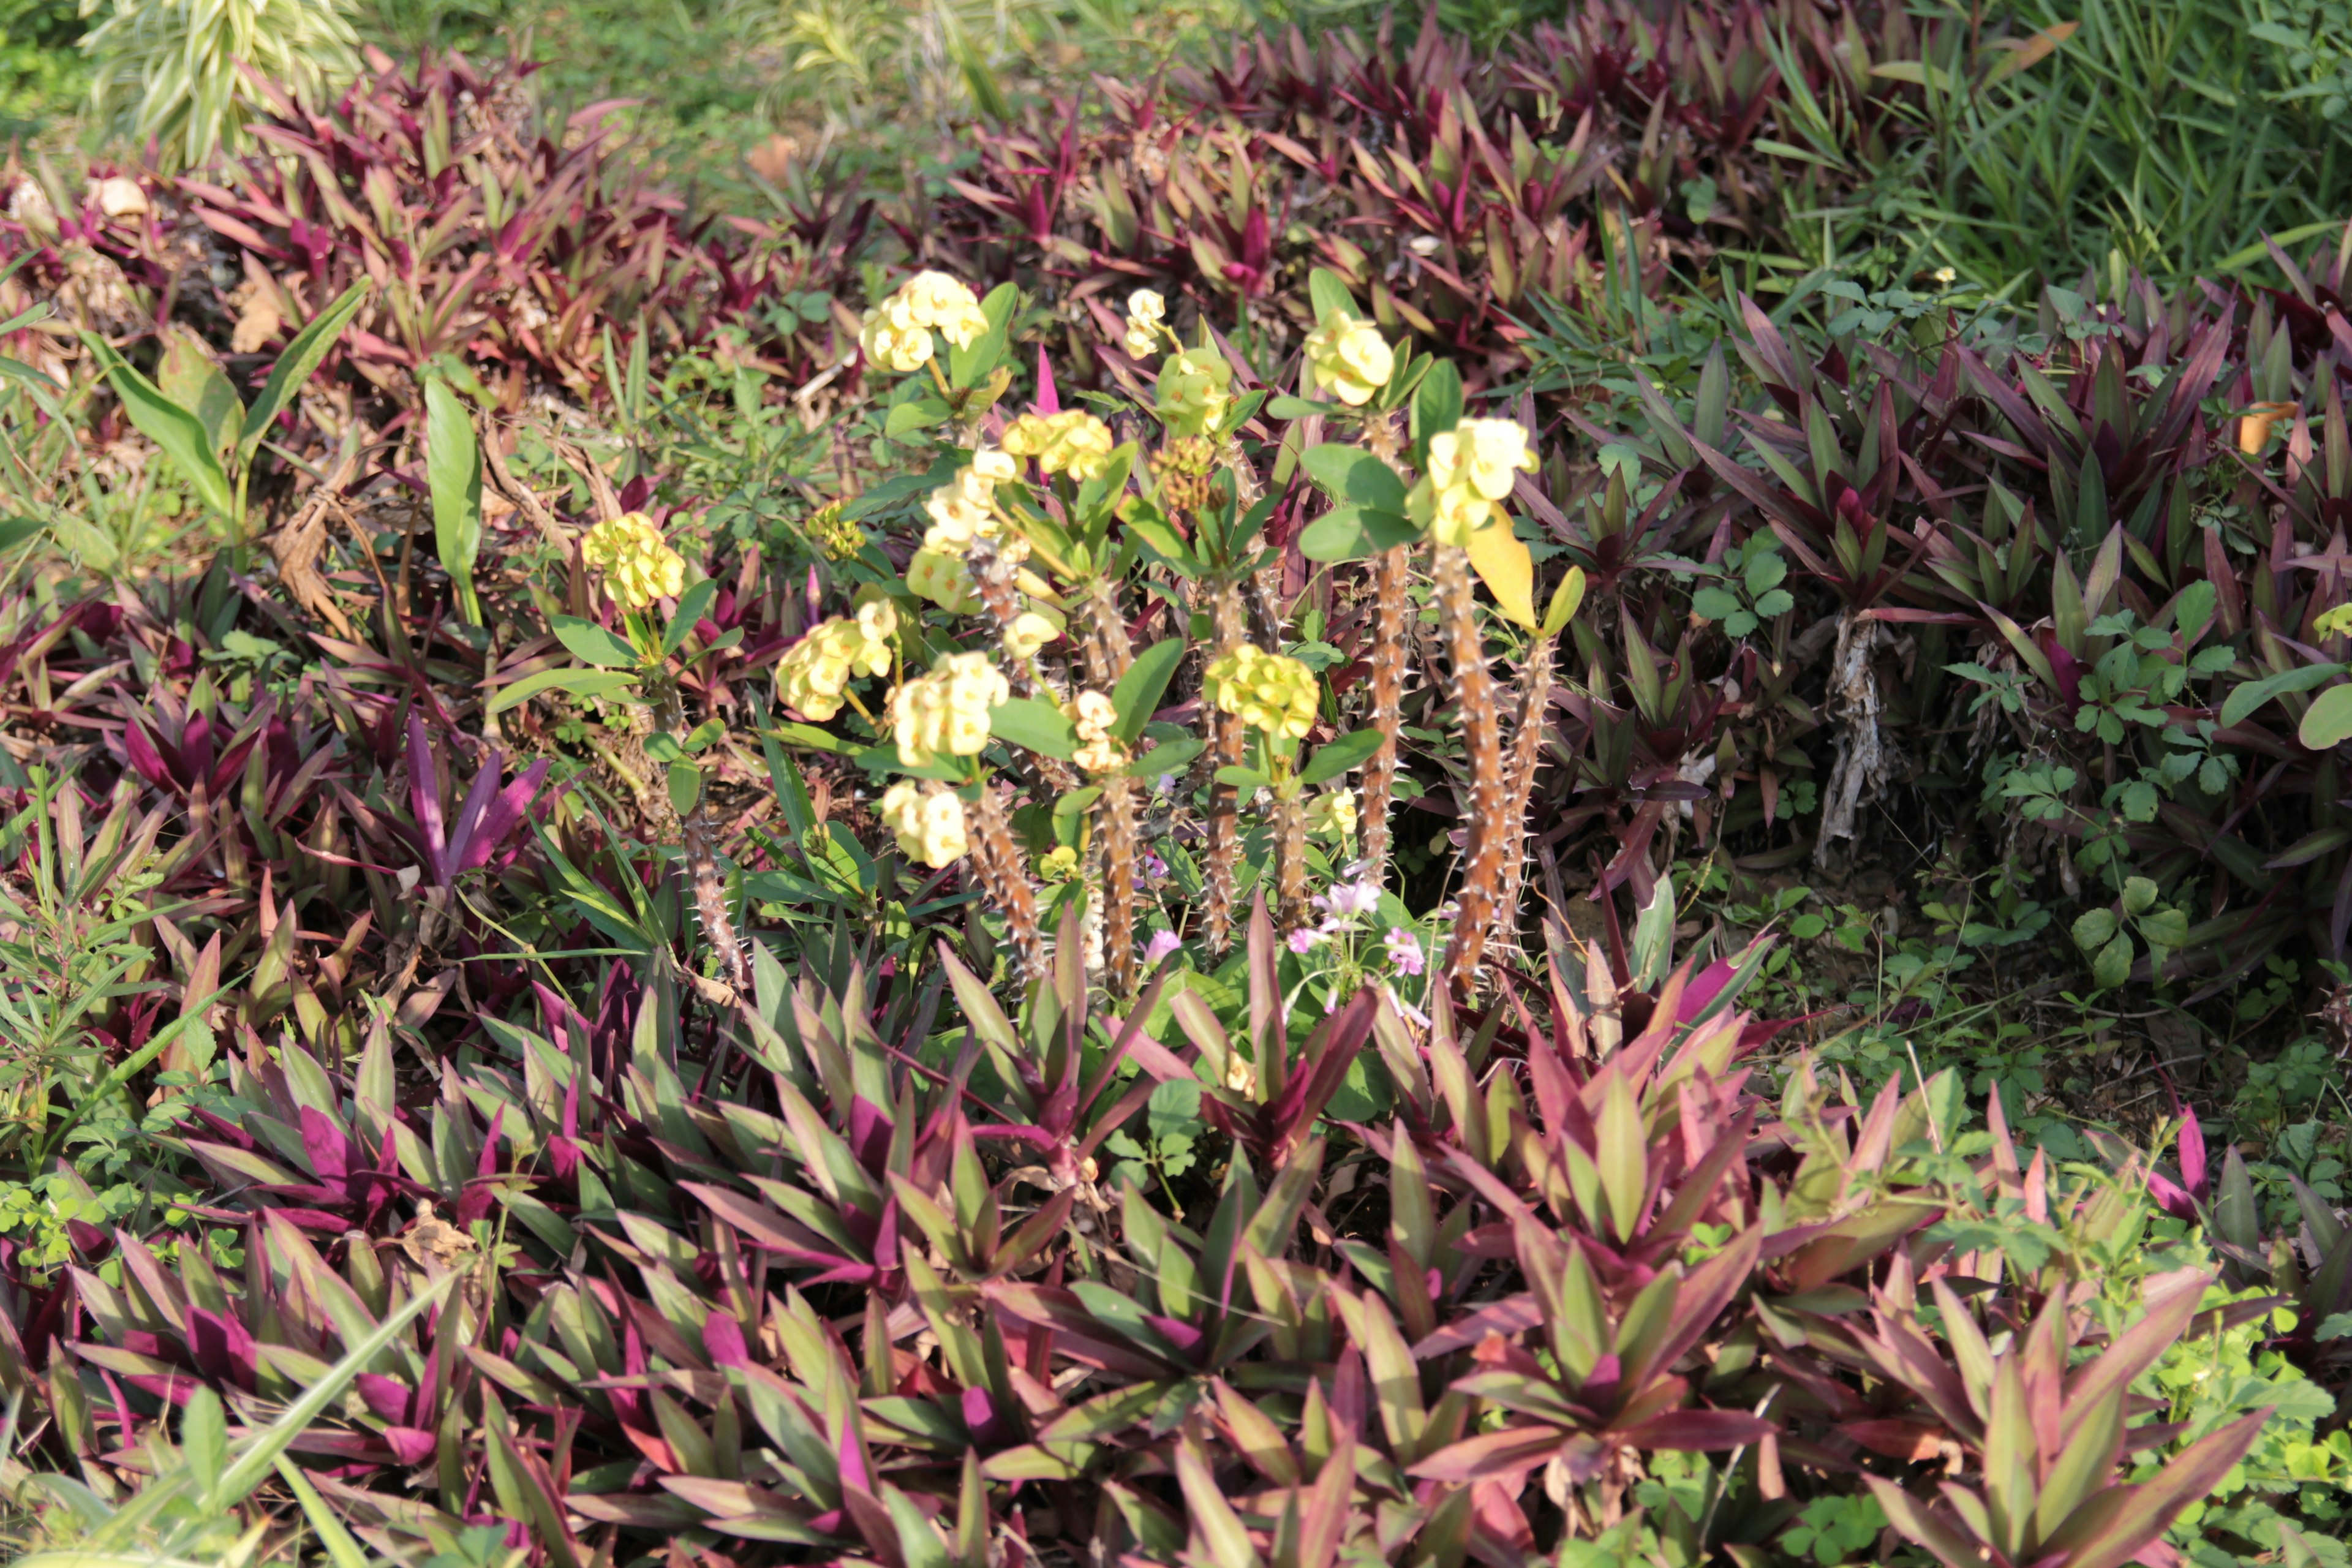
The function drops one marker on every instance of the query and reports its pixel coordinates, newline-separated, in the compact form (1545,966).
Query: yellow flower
(817,669)
(897,336)
(1058,864)
(1269,692)
(1471,467)
(1092,714)
(1195,390)
(1241,1075)
(1029,632)
(947,305)
(1073,442)
(944,580)
(894,340)
(964,509)
(2334,623)
(927,820)
(638,564)
(945,714)
(1333,813)
(1145,310)
(1349,359)
(835,535)
(1487,454)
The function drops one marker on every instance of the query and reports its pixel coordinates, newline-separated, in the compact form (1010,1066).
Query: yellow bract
(1098,750)
(1073,442)
(1270,692)
(638,564)
(927,820)
(945,714)
(1349,359)
(1334,812)
(1195,390)
(897,336)
(817,669)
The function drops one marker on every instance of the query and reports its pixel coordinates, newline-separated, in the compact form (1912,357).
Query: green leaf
(203,1439)
(592,643)
(452,467)
(190,377)
(2329,721)
(17,531)
(2248,697)
(579,682)
(1436,407)
(1329,293)
(1165,758)
(692,605)
(920,415)
(2111,967)
(1354,533)
(294,367)
(2140,895)
(178,432)
(1351,475)
(1136,695)
(1350,750)
(2094,929)
(1653,936)
(1300,408)
(1243,779)
(1715,604)
(685,781)
(1035,725)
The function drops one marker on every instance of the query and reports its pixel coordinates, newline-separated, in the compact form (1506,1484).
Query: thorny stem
(1392,575)
(702,860)
(1108,653)
(1474,696)
(1527,756)
(1391,606)
(1005,880)
(1290,862)
(1115,811)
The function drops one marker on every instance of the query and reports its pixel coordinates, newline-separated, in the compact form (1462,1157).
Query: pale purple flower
(1154,867)
(1348,899)
(1305,941)
(1161,944)
(1405,951)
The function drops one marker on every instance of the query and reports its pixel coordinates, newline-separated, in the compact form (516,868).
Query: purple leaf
(424,800)
(222,1348)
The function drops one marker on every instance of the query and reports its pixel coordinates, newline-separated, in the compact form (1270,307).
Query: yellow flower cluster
(1349,359)
(1093,715)
(833,533)
(945,714)
(1270,692)
(1073,442)
(898,335)
(944,580)
(638,564)
(1334,812)
(1144,312)
(1059,864)
(1472,469)
(964,509)
(2333,623)
(1030,630)
(817,672)
(1195,390)
(929,821)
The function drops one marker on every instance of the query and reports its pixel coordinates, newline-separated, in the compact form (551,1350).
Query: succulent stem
(1474,698)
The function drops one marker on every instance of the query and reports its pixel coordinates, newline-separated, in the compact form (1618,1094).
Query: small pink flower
(1161,944)
(1305,941)
(1405,951)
